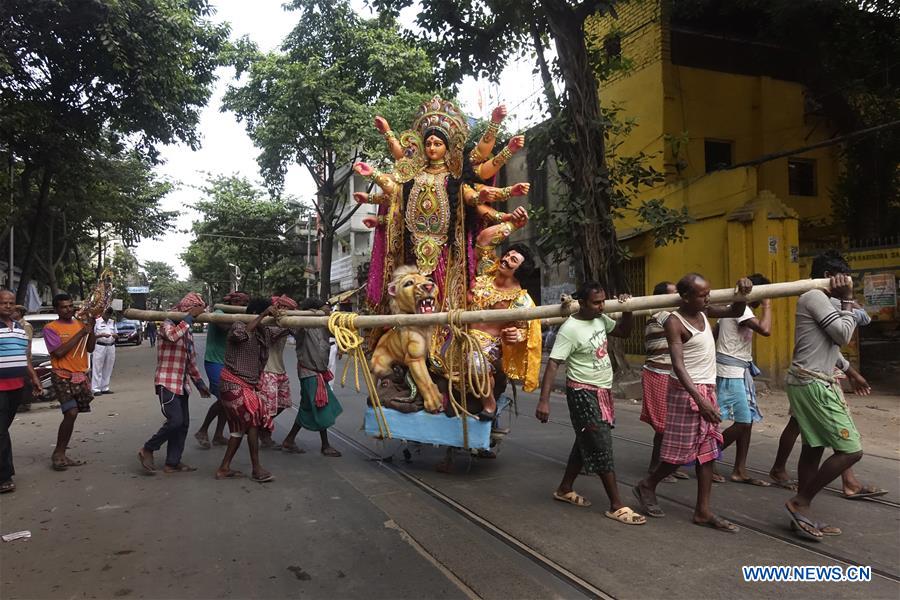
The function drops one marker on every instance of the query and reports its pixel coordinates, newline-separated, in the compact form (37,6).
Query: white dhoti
(103,359)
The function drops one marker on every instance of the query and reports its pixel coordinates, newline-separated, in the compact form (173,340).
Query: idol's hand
(516,143)
(361,197)
(519,217)
(370,222)
(498,114)
(511,335)
(520,189)
(488,194)
(364,169)
(382,125)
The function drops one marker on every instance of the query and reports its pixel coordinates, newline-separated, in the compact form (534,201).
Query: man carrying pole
(692,415)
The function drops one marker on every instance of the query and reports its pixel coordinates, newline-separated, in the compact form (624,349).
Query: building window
(801,177)
(717,155)
(612,45)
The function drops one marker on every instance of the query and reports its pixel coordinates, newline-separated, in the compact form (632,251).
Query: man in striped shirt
(14,367)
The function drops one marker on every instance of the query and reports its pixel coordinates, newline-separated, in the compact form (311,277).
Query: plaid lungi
(653,405)
(244,405)
(688,436)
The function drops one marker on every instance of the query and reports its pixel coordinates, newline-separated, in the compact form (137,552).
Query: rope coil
(342,326)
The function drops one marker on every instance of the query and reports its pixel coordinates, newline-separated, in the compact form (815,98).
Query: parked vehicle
(40,357)
(129,332)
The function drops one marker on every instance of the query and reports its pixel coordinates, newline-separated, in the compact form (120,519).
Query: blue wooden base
(439,429)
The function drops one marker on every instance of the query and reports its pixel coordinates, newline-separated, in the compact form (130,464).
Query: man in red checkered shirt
(176,366)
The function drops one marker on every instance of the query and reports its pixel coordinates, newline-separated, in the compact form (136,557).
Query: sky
(226,149)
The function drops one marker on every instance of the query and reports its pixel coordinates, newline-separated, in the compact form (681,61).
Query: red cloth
(653,406)
(688,436)
(604,399)
(322,379)
(175,358)
(237,298)
(284,302)
(9,384)
(243,403)
(191,300)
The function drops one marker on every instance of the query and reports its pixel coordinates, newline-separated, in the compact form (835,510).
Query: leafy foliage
(242,225)
(312,102)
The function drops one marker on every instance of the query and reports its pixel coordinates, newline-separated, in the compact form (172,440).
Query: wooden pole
(229,309)
(638,303)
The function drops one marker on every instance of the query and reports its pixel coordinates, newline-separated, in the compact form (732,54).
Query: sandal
(58,464)
(679,474)
(71,462)
(179,468)
(627,516)
(292,449)
(716,478)
(329,451)
(719,524)
(652,509)
(7,487)
(229,474)
(263,479)
(791,485)
(146,461)
(203,440)
(825,528)
(572,498)
(804,527)
(751,481)
(866,491)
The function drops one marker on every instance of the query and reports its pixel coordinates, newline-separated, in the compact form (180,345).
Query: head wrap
(237,298)
(284,302)
(192,300)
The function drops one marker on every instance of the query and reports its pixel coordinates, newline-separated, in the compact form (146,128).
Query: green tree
(165,287)
(241,225)
(312,102)
(75,74)
(479,39)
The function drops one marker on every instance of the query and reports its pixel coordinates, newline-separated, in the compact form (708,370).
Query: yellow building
(703,104)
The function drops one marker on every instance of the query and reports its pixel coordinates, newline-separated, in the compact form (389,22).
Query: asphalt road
(356,527)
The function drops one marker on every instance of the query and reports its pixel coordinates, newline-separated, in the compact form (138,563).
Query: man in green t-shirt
(581,343)
(214,361)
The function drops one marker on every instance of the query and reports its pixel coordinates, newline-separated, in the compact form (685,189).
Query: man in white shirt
(104,356)
(735,390)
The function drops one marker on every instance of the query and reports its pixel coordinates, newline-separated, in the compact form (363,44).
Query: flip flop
(787,484)
(58,465)
(752,481)
(7,487)
(825,528)
(867,491)
(719,524)
(71,462)
(798,520)
(181,468)
(627,516)
(292,449)
(679,474)
(652,510)
(716,478)
(203,441)
(572,498)
(669,479)
(331,452)
(148,465)
(264,479)
(231,474)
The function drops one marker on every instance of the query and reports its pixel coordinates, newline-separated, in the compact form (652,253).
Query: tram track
(784,539)
(548,564)
(833,490)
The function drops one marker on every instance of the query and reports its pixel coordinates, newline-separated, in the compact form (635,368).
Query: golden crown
(442,115)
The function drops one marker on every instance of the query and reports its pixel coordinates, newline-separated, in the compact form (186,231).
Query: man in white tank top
(692,416)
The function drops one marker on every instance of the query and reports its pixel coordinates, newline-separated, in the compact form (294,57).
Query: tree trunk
(325,257)
(28,261)
(583,154)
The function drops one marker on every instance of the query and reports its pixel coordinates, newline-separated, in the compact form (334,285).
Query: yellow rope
(342,326)
(464,352)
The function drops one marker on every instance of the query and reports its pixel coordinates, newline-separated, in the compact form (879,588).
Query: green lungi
(311,417)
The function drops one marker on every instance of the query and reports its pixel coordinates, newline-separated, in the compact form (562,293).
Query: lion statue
(408,345)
